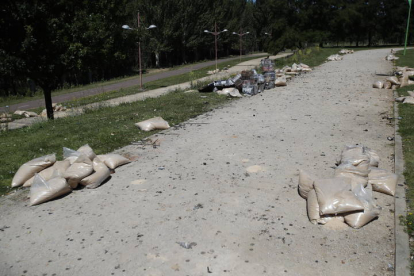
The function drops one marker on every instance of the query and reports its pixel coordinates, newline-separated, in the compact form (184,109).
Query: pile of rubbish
(49,178)
(401,78)
(406,99)
(348,196)
(346,51)
(251,83)
(336,57)
(28,114)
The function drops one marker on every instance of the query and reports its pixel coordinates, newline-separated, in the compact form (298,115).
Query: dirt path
(116,86)
(197,189)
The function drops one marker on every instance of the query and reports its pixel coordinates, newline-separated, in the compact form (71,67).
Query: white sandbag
(280,81)
(362,171)
(355,179)
(370,212)
(101,173)
(232,92)
(29,114)
(335,196)
(383,181)
(404,78)
(294,67)
(313,207)
(387,85)
(304,65)
(354,154)
(19,112)
(28,169)
(393,80)
(378,84)
(42,190)
(88,151)
(81,168)
(152,124)
(306,70)
(305,184)
(409,100)
(70,155)
(113,160)
(373,157)
(46,174)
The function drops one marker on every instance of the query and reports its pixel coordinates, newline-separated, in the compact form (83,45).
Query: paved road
(228,187)
(116,86)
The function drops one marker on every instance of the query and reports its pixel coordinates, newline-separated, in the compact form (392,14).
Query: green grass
(406,130)
(105,129)
(312,56)
(123,92)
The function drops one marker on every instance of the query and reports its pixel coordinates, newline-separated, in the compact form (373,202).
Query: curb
(402,246)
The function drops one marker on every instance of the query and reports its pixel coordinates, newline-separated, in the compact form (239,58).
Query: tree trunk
(48,102)
(157,59)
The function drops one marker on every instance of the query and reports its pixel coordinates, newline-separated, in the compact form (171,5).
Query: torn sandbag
(81,168)
(393,80)
(42,190)
(46,174)
(335,196)
(280,81)
(378,84)
(88,151)
(113,160)
(28,169)
(101,173)
(153,124)
(305,183)
(370,212)
(383,181)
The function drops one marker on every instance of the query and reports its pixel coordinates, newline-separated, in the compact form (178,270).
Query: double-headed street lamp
(240,37)
(215,33)
(126,27)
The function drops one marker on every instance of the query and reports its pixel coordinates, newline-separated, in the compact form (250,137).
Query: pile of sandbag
(56,108)
(347,196)
(5,117)
(346,51)
(401,79)
(335,57)
(49,178)
(212,72)
(26,114)
(407,99)
(391,57)
(287,72)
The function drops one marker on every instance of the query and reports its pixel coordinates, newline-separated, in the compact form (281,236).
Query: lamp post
(126,27)
(240,38)
(215,33)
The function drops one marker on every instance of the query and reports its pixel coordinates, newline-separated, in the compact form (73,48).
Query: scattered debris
(187,245)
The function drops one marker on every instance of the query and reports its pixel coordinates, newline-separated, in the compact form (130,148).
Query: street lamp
(126,27)
(240,37)
(215,33)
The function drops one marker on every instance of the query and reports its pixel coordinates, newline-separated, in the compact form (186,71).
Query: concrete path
(226,184)
(247,65)
(118,85)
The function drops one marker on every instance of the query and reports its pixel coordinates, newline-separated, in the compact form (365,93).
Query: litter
(28,170)
(153,124)
(101,173)
(113,160)
(42,190)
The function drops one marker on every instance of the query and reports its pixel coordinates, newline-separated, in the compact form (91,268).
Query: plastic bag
(80,169)
(383,181)
(28,169)
(371,211)
(88,151)
(152,124)
(113,160)
(42,190)
(46,174)
(378,84)
(305,184)
(101,173)
(335,196)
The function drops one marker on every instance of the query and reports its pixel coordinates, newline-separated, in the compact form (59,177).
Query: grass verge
(311,56)
(406,130)
(104,129)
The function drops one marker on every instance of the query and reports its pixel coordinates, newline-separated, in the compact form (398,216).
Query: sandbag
(28,169)
(152,124)
(393,80)
(370,212)
(305,184)
(88,151)
(101,173)
(362,171)
(46,174)
(355,155)
(373,157)
(280,81)
(383,181)
(335,196)
(355,179)
(232,92)
(70,155)
(42,190)
(304,65)
(81,168)
(29,114)
(387,85)
(378,84)
(312,206)
(113,160)
(409,100)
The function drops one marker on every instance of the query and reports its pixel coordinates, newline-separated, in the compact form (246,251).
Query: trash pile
(406,99)
(346,51)
(401,78)
(348,196)
(336,57)
(49,178)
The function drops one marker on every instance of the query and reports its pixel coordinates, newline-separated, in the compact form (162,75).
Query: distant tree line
(54,43)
